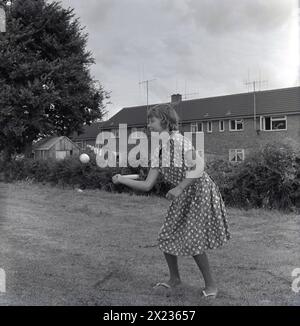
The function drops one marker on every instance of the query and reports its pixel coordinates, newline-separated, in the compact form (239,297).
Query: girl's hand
(116,179)
(174,193)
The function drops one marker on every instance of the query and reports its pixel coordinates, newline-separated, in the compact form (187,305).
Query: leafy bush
(223,173)
(72,172)
(269,177)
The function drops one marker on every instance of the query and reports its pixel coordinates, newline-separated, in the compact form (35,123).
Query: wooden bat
(131,176)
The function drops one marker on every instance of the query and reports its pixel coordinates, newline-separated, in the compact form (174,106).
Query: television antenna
(254,84)
(147,87)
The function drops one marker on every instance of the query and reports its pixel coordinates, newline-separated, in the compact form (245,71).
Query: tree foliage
(45,82)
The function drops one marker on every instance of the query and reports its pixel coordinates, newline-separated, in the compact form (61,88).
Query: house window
(135,135)
(221,125)
(112,133)
(116,133)
(197,127)
(236,155)
(144,130)
(209,126)
(194,127)
(200,126)
(60,155)
(273,123)
(236,125)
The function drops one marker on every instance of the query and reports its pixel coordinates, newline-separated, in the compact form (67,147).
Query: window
(60,155)
(115,132)
(221,125)
(209,126)
(144,130)
(194,127)
(273,123)
(236,125)
(197,127)
(236,155)
(134,134)
(200,126)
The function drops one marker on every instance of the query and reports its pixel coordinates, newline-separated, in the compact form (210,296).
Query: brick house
(233,125)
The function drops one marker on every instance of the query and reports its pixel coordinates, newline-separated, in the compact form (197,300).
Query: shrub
(269,177)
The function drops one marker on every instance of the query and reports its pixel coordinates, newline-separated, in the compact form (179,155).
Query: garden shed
(57,147)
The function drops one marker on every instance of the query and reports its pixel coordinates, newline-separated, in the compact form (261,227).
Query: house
(89,135)
(233,125)
(54,147)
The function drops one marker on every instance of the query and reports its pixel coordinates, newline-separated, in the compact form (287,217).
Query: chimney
(175,98)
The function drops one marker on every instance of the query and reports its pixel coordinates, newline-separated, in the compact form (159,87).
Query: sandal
(211,294)
(166,285)
(162,289)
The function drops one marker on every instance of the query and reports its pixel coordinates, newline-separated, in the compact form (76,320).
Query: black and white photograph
(149,155)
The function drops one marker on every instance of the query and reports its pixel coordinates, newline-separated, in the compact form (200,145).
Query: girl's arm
(144,185)
(196,172)
(191,175)
(197,165)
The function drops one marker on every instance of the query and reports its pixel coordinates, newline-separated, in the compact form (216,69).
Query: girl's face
(154,124)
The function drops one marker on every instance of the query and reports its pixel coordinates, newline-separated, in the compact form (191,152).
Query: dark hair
(167,114)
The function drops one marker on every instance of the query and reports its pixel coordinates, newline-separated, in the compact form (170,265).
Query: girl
(196,219)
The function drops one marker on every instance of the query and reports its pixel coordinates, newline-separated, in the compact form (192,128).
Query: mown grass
(63,247)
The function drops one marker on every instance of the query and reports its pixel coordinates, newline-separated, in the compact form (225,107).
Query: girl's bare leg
(173,268)
(203,264)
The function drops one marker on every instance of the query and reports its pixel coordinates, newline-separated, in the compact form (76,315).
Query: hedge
(268,178)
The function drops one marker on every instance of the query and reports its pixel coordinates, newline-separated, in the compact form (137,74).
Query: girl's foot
(172,283)
(166,288)
(210,292)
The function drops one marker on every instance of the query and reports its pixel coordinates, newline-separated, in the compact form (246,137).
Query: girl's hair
(167,114)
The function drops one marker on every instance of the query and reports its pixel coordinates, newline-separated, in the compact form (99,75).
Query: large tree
(45,82)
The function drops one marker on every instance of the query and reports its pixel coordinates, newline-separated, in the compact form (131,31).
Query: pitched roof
(284,100)
(47,142)
(89,132)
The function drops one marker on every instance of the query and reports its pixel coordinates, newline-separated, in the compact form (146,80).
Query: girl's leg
(203,264)
(173,268)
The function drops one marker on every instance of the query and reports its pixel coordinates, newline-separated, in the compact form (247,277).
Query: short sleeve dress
(197,219)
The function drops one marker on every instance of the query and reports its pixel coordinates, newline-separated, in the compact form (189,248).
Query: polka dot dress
(197,219)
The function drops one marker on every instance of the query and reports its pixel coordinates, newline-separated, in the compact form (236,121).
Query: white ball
(84,158)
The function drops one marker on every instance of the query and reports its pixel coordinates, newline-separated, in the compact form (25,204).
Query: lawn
(63,247)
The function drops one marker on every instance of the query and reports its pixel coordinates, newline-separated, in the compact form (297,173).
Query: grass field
(62,247)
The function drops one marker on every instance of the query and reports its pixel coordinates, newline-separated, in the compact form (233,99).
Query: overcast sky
(205,47)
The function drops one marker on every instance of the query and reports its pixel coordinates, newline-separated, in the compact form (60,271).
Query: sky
(198,48)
